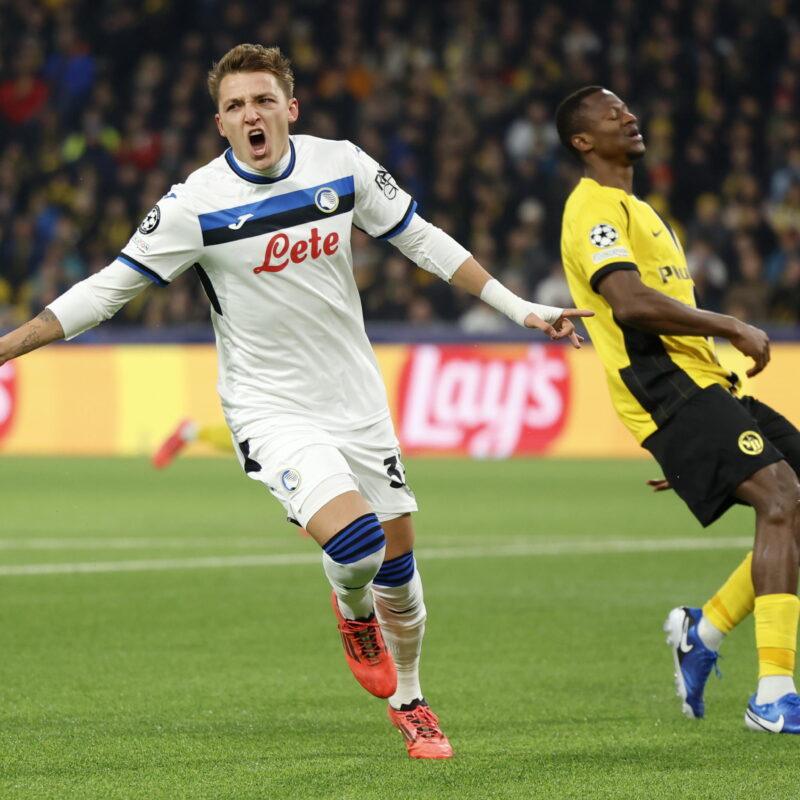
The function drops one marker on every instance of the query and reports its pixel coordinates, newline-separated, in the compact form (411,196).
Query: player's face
(611,129)
(254,115)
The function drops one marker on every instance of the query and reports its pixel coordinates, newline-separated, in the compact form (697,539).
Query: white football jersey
(274,257)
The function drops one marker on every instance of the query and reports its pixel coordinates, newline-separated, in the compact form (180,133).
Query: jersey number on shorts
(394,469)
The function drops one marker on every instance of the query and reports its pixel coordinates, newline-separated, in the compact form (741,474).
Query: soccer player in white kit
(266,225)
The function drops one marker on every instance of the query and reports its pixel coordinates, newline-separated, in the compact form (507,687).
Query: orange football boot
(185,432)
(369,660)
(420,728)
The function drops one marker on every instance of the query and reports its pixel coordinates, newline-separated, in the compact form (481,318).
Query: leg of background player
(218,436)
(400,607)
(185,433)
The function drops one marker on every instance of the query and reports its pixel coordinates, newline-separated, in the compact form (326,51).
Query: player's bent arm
(433,250)
(81,307)
(552,321)
(641,307)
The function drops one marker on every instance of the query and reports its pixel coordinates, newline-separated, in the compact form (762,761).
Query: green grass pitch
(167,635)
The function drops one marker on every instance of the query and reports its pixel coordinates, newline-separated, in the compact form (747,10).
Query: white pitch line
(137,543)
(213,562)
(67,543)
(556,548)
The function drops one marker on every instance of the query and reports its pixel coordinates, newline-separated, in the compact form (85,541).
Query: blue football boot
(693,660)
(782,716)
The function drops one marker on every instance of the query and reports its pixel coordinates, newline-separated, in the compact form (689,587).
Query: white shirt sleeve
(431,248)
(382,208)
(97,298)
(168,241)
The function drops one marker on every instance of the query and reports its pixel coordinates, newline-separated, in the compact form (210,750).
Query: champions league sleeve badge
(603,235)
(150,222)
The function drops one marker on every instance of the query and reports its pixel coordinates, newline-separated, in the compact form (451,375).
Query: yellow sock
(734,600)
(217,436)
(776,633)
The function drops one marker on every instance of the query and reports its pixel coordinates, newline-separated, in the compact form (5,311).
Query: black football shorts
(714,442)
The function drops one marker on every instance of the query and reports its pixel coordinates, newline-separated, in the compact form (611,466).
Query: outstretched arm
(37,332)
(644,308)
(85,305)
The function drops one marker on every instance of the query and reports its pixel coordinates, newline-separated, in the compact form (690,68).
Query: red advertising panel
(8,397)
(481,401)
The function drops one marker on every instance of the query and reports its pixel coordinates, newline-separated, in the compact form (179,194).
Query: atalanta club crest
(290,478)
(326,200)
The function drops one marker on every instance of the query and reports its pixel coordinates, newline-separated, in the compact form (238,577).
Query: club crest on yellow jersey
(751,443)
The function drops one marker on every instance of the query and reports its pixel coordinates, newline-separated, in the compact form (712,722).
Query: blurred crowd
(103,106)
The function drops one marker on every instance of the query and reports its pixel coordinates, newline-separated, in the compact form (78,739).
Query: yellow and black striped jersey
(650,376)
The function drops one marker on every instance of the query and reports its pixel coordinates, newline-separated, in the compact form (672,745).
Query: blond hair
(252,58)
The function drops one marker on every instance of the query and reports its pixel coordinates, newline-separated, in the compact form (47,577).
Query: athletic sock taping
(350,560)
(362,537)
(397,571)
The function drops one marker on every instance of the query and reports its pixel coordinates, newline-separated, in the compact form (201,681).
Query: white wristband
(514,307)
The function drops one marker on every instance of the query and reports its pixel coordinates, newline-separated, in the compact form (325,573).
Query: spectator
(788,248)
(785,175)
(70,70)
(22,97)
(553,289)
(784,301)
(709,272)
(749,298)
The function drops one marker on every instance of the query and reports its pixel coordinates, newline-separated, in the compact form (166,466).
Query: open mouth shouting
(258,143)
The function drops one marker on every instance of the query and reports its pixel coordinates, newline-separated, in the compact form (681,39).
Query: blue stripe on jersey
(273,205)
(249,176)
(397,572)
(403,224)
(141,268)
(359,539)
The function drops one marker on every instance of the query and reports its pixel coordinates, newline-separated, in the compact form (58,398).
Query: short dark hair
(568,116)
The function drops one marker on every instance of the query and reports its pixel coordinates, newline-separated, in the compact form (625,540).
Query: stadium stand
(103,106)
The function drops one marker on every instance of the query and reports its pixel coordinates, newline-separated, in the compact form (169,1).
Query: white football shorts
(305,467)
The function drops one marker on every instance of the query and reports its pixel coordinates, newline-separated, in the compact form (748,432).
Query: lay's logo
(8,397)
(487,405)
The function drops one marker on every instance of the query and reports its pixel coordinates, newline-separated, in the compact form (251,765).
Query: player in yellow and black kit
(624,262)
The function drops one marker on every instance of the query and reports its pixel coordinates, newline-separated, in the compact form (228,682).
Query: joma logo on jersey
(670,271)
(279,253)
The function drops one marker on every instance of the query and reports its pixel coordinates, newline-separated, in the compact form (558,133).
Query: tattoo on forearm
(31,339)
(35,328)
